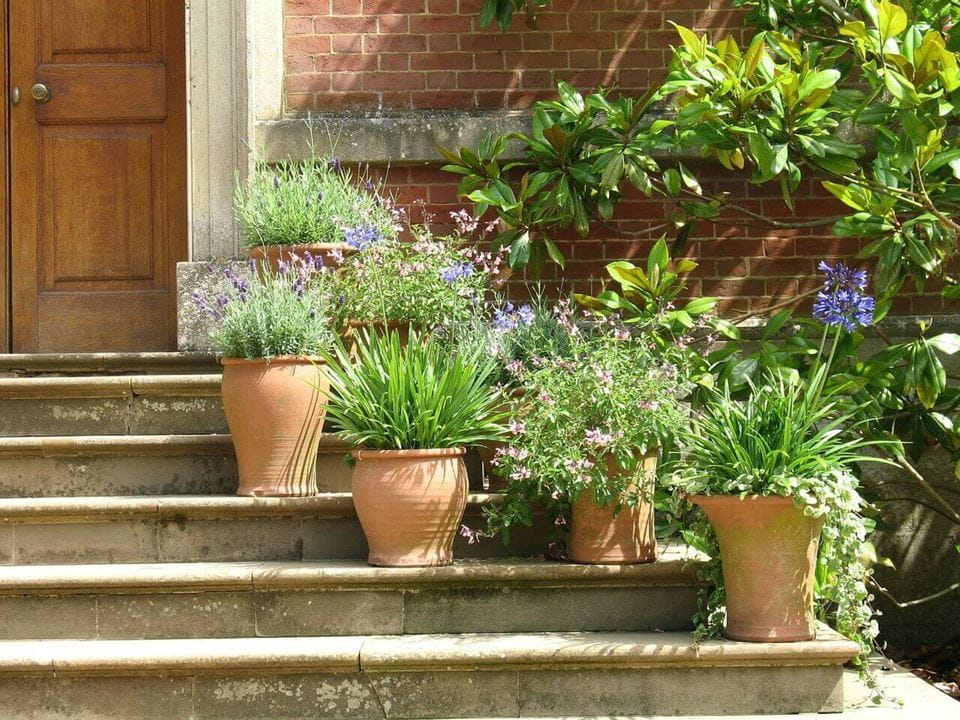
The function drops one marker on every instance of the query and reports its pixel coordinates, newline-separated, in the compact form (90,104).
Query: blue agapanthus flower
(362,236)
(456,272)
(841,302)
(841,277)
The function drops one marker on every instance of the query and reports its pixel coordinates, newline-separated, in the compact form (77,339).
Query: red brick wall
(431,54)
(397,54)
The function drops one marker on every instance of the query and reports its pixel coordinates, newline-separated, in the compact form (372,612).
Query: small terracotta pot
(410,504)
(273,254)
(275,414)
(597,537)
(768,548)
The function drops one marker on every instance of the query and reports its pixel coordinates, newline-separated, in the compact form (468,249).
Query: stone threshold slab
(412,653)
(171,507)
(110,386)
(676,565)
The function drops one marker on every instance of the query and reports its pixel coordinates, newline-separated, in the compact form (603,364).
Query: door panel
(99,215)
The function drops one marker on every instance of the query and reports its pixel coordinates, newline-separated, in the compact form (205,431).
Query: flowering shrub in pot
(428,282)
(411,409)
(315,205)
(271,329)
(584,443)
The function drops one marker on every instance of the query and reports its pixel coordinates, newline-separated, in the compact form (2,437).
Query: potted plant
(585,439)
(411,409)
(426,283)
(271,328)
(769,472)
(315,206)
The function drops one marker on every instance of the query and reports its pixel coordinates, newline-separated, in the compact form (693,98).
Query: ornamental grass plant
(315,201)
(395,395)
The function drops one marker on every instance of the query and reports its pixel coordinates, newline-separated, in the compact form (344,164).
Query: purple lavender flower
(362,236)
(334,163)
(455,272)
(841,277)
(526,315)
(844,308)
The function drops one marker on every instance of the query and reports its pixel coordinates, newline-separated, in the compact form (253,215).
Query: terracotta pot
(768,548)
(354,327)
(275,413)
(598,537)
(410,504)
(273,254)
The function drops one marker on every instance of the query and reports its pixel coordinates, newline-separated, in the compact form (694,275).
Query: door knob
(41,93)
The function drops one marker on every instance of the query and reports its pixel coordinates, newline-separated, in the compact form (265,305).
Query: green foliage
(615,397)
(309,202)
(415,395)
(267,314)
(430,282)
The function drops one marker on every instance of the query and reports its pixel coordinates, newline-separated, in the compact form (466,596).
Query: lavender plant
(266,314)
(312,202)
(430,282)
(614,396)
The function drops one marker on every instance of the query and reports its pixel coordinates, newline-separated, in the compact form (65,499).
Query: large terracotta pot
(599,537)
(768,548)
(273,254)
(275,413)
(410,504)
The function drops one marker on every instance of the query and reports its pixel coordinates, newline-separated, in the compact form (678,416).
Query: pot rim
(701,499)
(279,360)
(364,454)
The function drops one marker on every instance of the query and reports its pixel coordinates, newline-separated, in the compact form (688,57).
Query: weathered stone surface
(286,697)
(94,698)
(681,691)
(63,416)
(6,544)
(251,538)
(162,415)
(508,609)
(445,694)
(347,612)
(333,539)
(121,475)
(172,615)
(130,541)
(50,617)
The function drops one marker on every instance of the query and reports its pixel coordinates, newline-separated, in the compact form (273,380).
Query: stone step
(419,676)
(111,405)
(41,364)
(183,528)
(170,600)
(168,464)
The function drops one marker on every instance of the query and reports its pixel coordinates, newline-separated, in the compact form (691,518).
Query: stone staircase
(134,584)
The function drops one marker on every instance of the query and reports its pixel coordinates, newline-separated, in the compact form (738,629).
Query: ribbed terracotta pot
(275,413)
(768,548)
(410,504)
(598,537)
(273,254)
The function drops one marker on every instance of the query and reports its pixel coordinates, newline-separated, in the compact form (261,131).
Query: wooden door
(98,173)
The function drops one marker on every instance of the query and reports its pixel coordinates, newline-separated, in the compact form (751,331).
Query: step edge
(372,654)
(274,576)
(44,446)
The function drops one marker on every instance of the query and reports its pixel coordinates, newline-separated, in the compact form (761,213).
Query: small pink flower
(517,427)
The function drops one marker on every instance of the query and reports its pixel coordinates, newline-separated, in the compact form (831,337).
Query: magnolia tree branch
(951,512)
(918,601)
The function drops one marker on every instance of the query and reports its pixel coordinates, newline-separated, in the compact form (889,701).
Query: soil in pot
(410,504)
(275,413)
(601,536)
(332,253)
(768,548)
